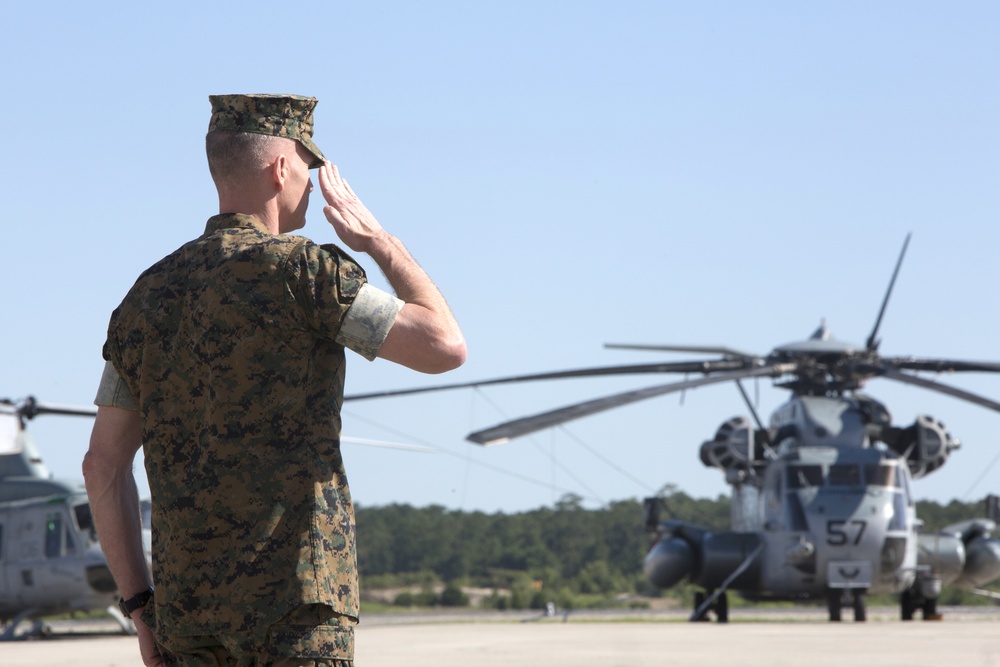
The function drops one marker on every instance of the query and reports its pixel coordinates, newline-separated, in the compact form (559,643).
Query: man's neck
(266,213)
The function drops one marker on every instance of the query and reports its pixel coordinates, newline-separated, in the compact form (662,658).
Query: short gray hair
(237,155)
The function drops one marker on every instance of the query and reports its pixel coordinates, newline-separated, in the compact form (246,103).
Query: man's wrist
(135,602)
(381,244)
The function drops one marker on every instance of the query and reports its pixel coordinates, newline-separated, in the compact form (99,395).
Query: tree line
(563,553)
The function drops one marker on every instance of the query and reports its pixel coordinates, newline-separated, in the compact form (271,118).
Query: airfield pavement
(773,639)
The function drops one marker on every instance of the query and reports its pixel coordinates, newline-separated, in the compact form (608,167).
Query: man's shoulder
(330,255)
(226,245)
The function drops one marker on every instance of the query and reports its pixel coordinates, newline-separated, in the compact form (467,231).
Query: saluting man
(225,363)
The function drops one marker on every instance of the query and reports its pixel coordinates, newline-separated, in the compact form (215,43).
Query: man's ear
(279,171)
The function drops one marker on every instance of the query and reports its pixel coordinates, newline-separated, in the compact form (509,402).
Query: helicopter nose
(99,578)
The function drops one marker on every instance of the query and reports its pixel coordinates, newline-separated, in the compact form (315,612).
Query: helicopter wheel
(930,610)
(859,606)
(906,605)
(834,597)
(699,599)
(722,608)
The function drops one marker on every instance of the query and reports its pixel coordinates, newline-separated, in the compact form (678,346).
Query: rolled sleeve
(113,391)
(368,321)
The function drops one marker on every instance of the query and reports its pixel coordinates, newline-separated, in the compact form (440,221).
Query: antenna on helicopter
(873,341)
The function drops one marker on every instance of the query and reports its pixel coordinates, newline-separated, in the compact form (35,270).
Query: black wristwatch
(136,602)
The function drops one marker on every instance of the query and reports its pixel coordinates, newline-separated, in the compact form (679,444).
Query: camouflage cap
(288,116)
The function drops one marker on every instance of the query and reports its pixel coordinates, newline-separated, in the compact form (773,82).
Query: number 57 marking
(840,532)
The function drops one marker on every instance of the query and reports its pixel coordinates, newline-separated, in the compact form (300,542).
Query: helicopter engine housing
(926,445)
(982,552)
(732,447)
(982,563)
(943,553)
(706,558)
(668,562)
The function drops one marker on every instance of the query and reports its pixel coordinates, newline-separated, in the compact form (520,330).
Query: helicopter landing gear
(930,610)
(907,605)
(719,605)
(39,628)
(860,613)
(836,597)
(833,600)
(910,601)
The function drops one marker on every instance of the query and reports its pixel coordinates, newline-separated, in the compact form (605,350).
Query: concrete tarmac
(582,641)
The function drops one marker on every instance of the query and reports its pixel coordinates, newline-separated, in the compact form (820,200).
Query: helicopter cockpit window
(85,520)
(845,475)
(804,476)
(70,544)
(53,536)
(883,475)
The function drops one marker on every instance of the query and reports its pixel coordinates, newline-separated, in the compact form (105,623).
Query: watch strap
(135,602)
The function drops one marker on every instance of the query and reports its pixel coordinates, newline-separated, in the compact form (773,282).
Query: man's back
(225,363)
(228,347)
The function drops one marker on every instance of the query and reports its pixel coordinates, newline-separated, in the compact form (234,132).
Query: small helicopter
(50,559)
(822,506)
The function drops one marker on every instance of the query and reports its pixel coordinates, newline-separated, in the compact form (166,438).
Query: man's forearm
(426,323)
(114,503)
(410,282)
(114,499)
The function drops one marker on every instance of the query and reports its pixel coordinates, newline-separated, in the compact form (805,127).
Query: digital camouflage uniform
(232,350)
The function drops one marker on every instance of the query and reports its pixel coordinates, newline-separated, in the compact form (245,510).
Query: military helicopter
(822,506)
(50,560)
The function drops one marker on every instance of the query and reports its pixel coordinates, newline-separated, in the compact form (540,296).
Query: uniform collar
(234,221)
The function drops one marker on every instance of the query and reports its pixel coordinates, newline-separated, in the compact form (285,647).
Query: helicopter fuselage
(50,560)
(830,517)
(822,507)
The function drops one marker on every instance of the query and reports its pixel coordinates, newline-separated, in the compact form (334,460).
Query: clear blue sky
(570,174)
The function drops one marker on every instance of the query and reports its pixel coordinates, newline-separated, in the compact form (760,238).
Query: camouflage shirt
(228,348)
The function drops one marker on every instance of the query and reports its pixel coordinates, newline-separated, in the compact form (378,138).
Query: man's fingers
(335,189)
(333,215)
(347,186)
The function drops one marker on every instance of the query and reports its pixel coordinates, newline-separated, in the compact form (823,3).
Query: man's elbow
(446,355)
(95,469)
(424,347)
(88,465)
(454,356)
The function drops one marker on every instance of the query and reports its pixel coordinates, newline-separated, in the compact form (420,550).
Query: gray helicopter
(822,506)
(50,559)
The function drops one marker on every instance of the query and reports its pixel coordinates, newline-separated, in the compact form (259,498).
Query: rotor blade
(518,427)
(705,366)
(726,352)
(33,408)
(872,343)
(941,365)
(942,388)
(385,444)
